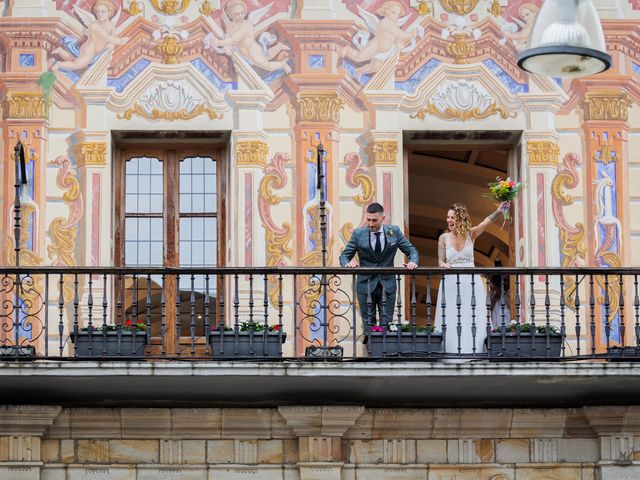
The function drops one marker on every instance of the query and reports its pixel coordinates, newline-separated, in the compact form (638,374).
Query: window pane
(130,229)
(130,253)
(198,203)
(197,176)
(210,231)
(185,229)
(143,178)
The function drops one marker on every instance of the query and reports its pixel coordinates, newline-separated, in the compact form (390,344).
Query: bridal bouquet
(504,191)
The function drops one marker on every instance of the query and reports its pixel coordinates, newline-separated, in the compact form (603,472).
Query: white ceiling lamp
(566,41)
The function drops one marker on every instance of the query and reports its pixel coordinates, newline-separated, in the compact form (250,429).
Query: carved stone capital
(543,153)
(319,107)
(25,105)
(383,152)
(92,154)
(606,106)
(251,153)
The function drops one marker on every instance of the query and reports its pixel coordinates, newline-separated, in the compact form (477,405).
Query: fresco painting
(361,77)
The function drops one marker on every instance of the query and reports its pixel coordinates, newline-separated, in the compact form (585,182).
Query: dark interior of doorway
(440,175)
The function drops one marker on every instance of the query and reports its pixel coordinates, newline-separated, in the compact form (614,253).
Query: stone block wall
(319,443)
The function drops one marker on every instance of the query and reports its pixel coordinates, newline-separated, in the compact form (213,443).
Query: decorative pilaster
(605,113)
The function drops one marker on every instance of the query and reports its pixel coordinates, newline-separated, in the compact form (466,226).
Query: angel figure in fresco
(240,35)
(100,36)
(526,15)
(389,37)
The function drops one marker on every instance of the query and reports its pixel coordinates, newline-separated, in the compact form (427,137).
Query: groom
(376,246)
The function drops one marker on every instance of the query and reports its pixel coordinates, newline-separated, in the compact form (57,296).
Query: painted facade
(363,78)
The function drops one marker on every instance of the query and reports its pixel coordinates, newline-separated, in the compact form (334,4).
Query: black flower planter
(390,344)
(522,346)
(630,353)
(109,344)
(246,344)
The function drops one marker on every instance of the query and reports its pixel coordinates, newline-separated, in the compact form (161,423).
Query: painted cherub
(526,15)
(389,37)
(240,34)
(101,36)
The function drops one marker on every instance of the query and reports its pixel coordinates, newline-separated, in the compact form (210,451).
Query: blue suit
(360,243)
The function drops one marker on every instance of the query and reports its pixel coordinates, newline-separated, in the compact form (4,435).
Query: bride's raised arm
(442,252)
(482,226)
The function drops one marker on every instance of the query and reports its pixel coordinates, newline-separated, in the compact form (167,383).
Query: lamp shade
(566,41)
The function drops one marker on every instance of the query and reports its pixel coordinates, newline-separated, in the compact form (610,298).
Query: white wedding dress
(462,308)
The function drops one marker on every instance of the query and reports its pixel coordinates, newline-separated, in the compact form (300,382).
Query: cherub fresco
(240,35)
(100,36)
(389,37)
(518,30)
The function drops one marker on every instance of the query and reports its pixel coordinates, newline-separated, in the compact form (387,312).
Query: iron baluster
(280,305)
(192,314)
(547,309)
(562,315)
(592,314)
(576,303)
(459,314)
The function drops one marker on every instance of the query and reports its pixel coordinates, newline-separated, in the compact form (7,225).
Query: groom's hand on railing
(410,265)
(352,264)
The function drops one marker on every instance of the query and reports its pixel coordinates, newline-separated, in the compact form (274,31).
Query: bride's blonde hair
(463,222)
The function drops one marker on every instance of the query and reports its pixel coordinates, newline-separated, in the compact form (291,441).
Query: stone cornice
(604,83)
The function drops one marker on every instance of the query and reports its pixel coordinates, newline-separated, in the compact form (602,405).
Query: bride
(466,326)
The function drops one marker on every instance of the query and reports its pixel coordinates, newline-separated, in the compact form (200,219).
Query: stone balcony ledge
(381,384)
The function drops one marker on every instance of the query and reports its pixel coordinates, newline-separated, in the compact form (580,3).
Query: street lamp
(566,41)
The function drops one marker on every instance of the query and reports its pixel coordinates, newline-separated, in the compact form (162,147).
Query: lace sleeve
(442,256)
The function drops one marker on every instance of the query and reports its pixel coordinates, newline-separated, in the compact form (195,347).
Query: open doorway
(442,173)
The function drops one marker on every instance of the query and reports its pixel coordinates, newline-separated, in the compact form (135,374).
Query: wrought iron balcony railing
(317,313)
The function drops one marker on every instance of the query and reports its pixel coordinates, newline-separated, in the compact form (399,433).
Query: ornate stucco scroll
(358,176)
(572,237)
(169,101)
(64,231)
(278,237)
(462,100)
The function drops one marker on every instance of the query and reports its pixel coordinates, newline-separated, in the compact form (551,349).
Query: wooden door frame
(169,152)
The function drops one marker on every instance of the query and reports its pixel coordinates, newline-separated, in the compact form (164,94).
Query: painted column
(542,245)
(605,131)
